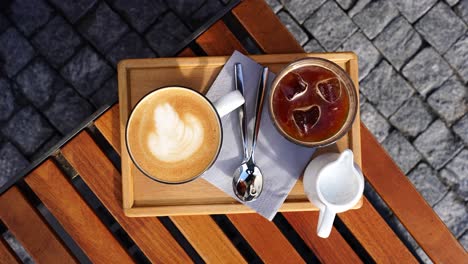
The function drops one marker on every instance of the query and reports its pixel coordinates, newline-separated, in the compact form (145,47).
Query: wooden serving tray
(145,197)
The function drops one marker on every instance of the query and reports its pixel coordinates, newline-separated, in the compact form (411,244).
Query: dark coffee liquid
(310,104)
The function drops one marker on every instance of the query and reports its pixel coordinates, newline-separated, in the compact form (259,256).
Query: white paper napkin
(280,161)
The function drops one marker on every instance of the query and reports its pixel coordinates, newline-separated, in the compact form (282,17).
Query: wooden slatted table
(87,205)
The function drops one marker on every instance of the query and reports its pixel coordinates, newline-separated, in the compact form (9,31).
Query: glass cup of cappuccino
(174,134)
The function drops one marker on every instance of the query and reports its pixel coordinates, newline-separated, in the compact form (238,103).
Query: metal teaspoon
(247,181)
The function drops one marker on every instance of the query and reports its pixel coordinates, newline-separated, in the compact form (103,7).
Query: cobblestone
(4,23)
(330,26)
(28,130)
(398,42)
(387,98)
(57,41)
(68,110)
(345,4)
(368,55)
(313,46)
(184,8)
(275,5)
(130,46)
(29,15)
(375,122)
(358,6)
(462,10)
(412,117)
(452,2)
(424,178)
(302,9)
(438,144)
(457,184)
(450,101)
(401,151)
(15,53)
(413,10)
(441,27)
(205,12)
(166,34)
(140,13)
(86,71)
(7,100)
(425,78)
(103,27)
(107,95)
(293,27)
(453,213)
(457,56)
(459,167)
(375,16)
(39,82)
(73,9)
(11,162)
(461,128)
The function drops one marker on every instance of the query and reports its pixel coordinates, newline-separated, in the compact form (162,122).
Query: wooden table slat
(409,206)
(334,249)
(208,239)
(218,40)
(73,213)
(6,254)
(382,244)
(105,181)
(265,238)
(29,228)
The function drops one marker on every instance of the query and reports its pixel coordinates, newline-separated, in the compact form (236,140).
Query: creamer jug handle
(325,222)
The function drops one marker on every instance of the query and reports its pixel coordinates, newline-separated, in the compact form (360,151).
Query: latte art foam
(176,138)
(173,134)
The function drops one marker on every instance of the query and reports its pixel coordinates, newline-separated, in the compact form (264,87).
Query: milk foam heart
(175,138)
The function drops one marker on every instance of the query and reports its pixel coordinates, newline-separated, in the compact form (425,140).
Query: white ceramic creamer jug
(333,183)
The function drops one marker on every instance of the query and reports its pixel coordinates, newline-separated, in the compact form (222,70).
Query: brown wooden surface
(105,181)
(218,39)
(31,230)
(334,249)
(78,219)
(6,254)
(376,236)
(263,236)
(408,205)
(208,239)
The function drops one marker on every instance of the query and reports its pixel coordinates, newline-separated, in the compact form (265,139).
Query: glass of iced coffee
(313,102)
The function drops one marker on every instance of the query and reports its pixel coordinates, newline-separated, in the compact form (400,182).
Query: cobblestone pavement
(413,71)
(58,62)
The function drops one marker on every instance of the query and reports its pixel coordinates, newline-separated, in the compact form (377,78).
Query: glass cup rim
(147,96)
(348,85)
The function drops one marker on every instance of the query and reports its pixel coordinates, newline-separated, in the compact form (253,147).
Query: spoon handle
(258,111)
(239,81)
